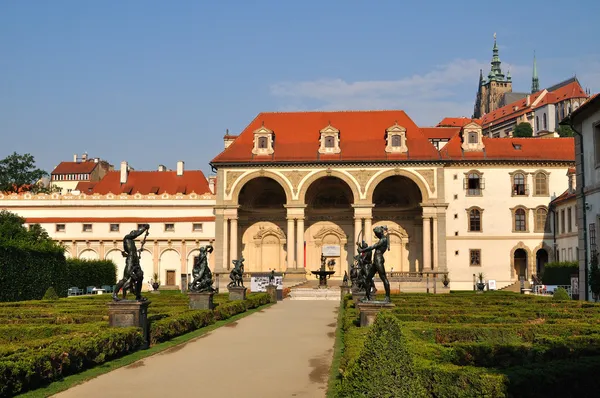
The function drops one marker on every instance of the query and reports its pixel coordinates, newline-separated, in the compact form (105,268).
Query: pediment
(263,131)
(265,231)
(472,125)
(396,128)
(329,130)
(331,230)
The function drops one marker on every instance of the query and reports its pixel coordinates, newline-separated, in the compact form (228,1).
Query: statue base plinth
(272,292)
(370,309)
(237,293)
(201,301)
(128,313)
(358,295)
(344,290)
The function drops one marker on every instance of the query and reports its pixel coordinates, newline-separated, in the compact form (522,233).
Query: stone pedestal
(127,313)
(358,295)
(369,310)
(272,291)
(344,290)
(201,301)
(237,293)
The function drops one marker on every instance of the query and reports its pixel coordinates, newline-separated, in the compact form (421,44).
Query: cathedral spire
(535,82)
(496,72)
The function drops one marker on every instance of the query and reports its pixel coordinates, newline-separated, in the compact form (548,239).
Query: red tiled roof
(563,197)
(593,99)
(85,186)
(157,182)
(457,121)
(42,220)
(550,149)
(74,168)
(297,137)
(440,132)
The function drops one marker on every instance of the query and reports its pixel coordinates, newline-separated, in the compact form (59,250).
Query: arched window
(541,214)
(541,184)
(473,183)
(329,142)
(520,220)
(545,120)
(537,123)
(474,220)
(396,141)
(519,187)
(262,142)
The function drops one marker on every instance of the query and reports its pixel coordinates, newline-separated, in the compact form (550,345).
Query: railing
(548,290)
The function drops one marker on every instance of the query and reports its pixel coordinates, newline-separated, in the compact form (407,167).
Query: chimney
(96,160)
(528,100)
(572,180)
(212,182)
(180,168)
(75,158)
(161,167)
(228,139)
(84,157)
(124,172)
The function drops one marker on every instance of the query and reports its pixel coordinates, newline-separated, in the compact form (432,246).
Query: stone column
(290,243)
(357,228)
(300,244)
(435,244)
(225,243)
(426,243)
(368,231)
(233,239)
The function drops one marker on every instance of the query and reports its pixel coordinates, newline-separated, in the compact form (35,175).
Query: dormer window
(395,137)
(264,141)
(472,138)
(330,140)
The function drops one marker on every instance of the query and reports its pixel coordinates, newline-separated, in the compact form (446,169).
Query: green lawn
(494,344)
(44,341)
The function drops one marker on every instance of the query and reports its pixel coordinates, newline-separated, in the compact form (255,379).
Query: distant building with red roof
(68,175)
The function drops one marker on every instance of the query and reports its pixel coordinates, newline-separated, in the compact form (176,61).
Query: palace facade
(293,186)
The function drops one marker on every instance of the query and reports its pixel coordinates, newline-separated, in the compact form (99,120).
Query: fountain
(322,273)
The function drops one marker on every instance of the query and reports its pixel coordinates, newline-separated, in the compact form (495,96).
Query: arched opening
(262,226)
(520,261)
(396,201)
(329,222)
(541,259)
(116,257)
(88,254)
(170,269)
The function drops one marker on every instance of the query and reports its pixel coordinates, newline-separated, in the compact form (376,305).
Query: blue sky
(154,82)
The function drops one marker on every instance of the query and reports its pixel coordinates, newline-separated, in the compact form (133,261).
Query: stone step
(300,293)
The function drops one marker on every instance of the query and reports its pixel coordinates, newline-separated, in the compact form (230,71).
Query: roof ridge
(336,111)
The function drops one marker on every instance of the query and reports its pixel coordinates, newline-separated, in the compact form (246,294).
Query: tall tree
(18,173)
(565,131)
(523,130)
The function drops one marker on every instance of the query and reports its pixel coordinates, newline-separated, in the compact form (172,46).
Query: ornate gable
(264,141)
(330,140)
(472,138)
(395,137)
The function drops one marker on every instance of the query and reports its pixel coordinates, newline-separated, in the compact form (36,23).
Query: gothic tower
(535,82)
(490,95)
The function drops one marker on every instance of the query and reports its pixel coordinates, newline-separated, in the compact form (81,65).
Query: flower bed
(42,341)
(464,345)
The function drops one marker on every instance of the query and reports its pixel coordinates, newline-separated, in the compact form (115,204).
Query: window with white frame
(395,137)
(264,141)
(330,140)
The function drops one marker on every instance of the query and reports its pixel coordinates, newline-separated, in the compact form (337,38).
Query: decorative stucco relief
(330,230)
(232,176)
(294,177)
(429,176)
(264,231)
(362,177)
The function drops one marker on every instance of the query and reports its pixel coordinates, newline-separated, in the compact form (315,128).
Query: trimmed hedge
(82,273)
(559,273)
(28,270)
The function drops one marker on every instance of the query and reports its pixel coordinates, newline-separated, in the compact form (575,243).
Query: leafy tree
(18,173)
(12,229)
(594,277)
(565,131)
(523,130)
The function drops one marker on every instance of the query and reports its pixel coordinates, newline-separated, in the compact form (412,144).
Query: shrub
(50,294)
(384,367)
(559,273)
(560,294)
(28,269)
(82,273)
(176,325)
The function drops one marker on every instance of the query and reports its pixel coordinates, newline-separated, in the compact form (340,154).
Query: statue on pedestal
(202,281)
(345,280)
(380,247)
(237,273)
(272,278)
(133,275)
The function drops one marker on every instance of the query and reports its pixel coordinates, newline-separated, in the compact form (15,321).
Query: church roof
(362,139)
(156,182)
(457,121)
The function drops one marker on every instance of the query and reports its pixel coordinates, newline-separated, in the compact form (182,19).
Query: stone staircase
(310,290)
(516,287)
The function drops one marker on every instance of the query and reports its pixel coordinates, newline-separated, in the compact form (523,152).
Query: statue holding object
(133,275)
(378,265)
(237,273)
(202,281)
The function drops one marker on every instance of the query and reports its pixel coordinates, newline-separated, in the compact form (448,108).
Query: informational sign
(259,283)
(331,250)
(492,284)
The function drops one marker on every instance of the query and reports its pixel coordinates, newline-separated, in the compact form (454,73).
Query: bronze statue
(237,273)
(202,281)
(133,275)
(272,277)
(323,261)
(345,280)
(380,247)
